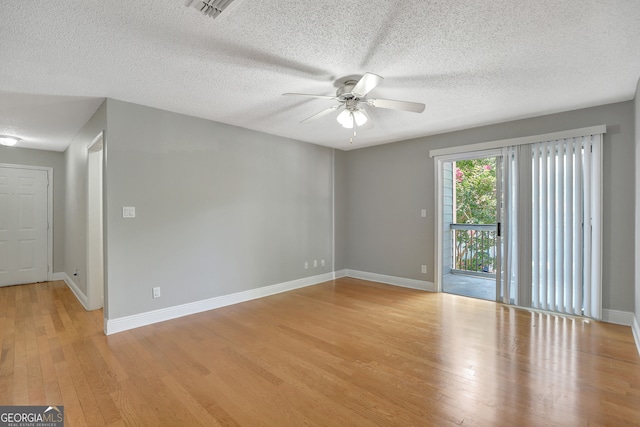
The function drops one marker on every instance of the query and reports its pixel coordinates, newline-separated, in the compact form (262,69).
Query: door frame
(49,171)
(95,248)
(439,203)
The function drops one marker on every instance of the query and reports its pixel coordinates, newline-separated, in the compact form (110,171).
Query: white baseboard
(635,328)
(121,324)
(618,317)
(623,318)
(392,280)
(75,289)
(57,276)
(341,273)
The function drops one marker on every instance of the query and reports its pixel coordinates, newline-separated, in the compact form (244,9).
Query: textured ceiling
(470,62)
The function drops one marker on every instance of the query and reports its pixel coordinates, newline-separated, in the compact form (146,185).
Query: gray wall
(55,160)
(219,209)
(340,201)
(387,186)
(76,198)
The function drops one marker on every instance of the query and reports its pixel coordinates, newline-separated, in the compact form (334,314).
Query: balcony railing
(474,249)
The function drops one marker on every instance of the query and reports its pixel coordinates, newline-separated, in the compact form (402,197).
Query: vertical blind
(552,231)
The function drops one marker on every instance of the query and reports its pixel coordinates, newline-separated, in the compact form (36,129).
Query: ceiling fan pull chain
(355,128)
(355,125)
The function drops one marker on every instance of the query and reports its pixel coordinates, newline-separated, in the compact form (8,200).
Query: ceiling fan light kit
(352,98)
(8,141)
(346,118)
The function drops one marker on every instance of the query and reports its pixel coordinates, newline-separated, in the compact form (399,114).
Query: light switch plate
(128,212)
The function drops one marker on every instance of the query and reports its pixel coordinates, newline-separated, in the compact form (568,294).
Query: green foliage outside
(475,204)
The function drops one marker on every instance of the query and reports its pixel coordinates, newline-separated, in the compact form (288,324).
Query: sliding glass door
(552,225)
(471,255)
(543,246)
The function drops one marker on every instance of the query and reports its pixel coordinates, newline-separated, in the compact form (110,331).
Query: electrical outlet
(315,262)
(306,265)
(322,263)
(424,269)
(156,292)
(128,212)
(423,213)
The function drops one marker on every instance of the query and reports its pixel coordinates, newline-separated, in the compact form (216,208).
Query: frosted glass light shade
(9,141)
(346,118)
(360,117)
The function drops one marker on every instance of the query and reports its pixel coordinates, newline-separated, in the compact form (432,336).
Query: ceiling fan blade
(366,84)
(414,107)
(322,113)
(309,95)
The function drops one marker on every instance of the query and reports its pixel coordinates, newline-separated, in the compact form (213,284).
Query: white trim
(121,324)
(341,273)
(49,171)
(31,167)
(95,245)
(438,203)
(392,280)
(572,133)
(625,318)
(57,276)
(49,222)
(439,233)
(97,144)
(333,209)
(618,317)
(82,298)
(635,328)
(470,155)
(597,256)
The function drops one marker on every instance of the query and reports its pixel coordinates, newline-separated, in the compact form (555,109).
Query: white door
(23,226)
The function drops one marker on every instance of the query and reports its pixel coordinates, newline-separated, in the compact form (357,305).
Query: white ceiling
(470,62)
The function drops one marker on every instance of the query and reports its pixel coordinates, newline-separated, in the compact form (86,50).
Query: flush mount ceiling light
(9,141)
(212,8)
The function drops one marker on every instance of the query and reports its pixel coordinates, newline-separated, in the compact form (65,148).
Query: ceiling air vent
(212,8)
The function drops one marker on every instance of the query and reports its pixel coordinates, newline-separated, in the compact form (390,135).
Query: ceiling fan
(352,98)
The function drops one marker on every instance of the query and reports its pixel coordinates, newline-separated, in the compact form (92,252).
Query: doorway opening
(95,225)
(471,252)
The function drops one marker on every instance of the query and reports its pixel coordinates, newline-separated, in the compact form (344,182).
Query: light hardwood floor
(342,353)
